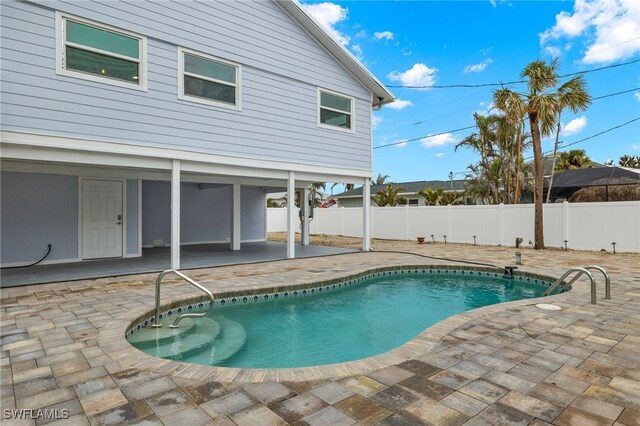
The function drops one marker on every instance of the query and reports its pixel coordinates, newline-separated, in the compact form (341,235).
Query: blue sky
(475,42)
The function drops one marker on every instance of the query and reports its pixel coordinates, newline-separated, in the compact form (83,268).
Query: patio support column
(175,214)
(291,216)
(235,218)
(366,215)
(305,216)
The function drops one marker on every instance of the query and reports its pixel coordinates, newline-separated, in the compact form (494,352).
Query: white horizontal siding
(282,66)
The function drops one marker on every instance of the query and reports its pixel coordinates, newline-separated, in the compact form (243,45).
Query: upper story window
(100,53)
(335,110)
(208,80)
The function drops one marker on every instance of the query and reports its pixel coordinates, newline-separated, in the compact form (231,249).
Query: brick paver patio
(504,364)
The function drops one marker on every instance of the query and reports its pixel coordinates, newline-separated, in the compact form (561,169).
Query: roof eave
(381,94)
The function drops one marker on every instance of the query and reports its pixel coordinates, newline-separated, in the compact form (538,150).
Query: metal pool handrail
(187,314)
(579,271)
(607,280)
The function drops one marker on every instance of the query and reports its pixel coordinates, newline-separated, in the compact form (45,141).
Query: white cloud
(637,96)
(440,154)
(574,126)
(384,35)
(485,108)
(375,120)
(399,104)
(553,51)
(357,52)
(329,14)
(418,75)
(478,67)
(438,140)
(611,27)
(401,144)
(406,52)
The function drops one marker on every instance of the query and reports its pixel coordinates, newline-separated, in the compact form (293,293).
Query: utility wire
(592,136)
(451,86)
(424,137)
(614,94)
(576,142)
(471,127)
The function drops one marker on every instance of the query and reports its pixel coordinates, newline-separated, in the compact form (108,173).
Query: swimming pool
(332,323)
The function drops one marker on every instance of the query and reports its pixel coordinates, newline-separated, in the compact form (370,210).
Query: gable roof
(382,95)
(598,176)
(409,187)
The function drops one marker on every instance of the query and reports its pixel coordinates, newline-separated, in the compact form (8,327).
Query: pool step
(230,340)
(158,336)
(172,345)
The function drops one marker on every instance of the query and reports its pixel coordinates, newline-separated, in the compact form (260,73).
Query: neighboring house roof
(547,163)
(409,187)
(342,55)
(598,176)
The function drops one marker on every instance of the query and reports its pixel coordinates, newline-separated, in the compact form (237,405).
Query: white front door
(101,219)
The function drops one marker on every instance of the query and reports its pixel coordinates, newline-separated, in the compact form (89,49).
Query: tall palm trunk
(553,162)
(518,163)
(538,232)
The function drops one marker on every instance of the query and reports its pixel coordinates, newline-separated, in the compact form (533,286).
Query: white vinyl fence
(585,226)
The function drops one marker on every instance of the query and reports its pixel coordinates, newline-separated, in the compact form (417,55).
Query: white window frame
(206,101)
(61,53)
(319,106)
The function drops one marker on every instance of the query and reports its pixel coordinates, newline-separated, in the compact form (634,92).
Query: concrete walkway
(503,364)
(159,259)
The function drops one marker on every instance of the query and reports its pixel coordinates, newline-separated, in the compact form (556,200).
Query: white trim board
(195,243)
(32,146)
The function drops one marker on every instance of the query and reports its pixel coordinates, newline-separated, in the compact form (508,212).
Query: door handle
(119,222)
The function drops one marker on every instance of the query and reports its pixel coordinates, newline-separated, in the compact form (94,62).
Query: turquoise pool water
(361,320)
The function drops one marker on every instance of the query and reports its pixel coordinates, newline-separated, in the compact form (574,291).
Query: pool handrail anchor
(156,322)
(580,272)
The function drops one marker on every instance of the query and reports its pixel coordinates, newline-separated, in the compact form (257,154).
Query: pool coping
(113,343)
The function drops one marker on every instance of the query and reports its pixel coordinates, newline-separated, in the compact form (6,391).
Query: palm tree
(450,198)
(629,161)
(572,95)
(380,179)
(431,196)
(571,160)
(347,186)
(389,196)
(542,106)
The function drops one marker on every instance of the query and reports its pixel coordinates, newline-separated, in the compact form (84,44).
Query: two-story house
(129,124)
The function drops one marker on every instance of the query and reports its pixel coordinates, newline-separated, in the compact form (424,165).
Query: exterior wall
(36,210)
(352,202)
(585,226)
(282,67)
(132,217)
(205,214)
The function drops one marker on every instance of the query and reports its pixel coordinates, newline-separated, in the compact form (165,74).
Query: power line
(592,136)
(424,137)
(576,142)
(471,127)
(452,86)
(615,94)
(469,108)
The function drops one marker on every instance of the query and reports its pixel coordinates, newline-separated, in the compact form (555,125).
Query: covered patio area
(158,259)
